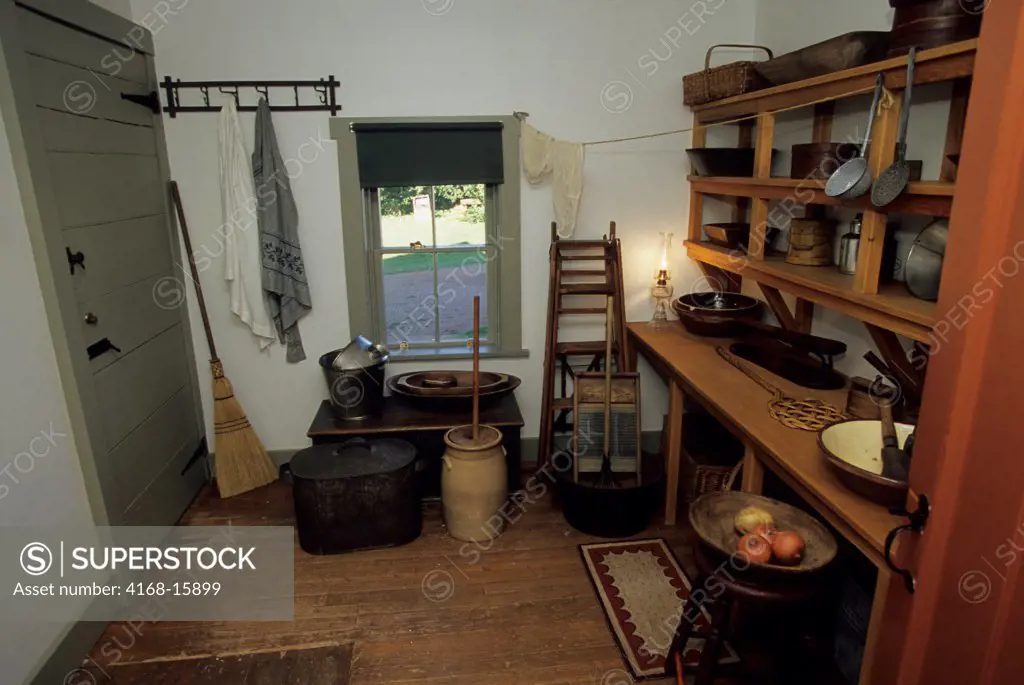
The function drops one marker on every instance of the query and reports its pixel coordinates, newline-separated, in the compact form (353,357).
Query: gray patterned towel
(281,269)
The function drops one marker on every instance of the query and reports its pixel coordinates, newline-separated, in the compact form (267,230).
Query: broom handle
(608,379)
(192,266)
(476,368)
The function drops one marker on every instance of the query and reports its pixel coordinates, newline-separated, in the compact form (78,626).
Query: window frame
(363,271)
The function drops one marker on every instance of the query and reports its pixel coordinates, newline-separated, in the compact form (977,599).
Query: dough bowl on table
(854,451)
(450,391)
(448,383)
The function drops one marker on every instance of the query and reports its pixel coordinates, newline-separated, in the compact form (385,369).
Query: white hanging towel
(542,156)
(241,244)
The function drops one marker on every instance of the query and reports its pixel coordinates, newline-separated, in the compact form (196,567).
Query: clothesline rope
(543,156)
(885,104)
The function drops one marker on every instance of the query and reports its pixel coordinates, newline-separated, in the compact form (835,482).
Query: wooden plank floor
(314,666)
(436,611)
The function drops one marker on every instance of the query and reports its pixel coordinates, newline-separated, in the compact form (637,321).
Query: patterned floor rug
(641,587)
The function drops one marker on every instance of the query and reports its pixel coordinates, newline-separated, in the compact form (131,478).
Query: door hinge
(200,452)
(150,101)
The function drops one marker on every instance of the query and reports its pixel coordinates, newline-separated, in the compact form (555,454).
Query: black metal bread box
(356,495)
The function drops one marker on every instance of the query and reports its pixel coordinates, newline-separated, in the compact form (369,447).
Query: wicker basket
(714,479)
(725,81)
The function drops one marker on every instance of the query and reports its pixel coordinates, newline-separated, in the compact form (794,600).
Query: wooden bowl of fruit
(762,532)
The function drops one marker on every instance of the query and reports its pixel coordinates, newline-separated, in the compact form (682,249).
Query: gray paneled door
(105,163)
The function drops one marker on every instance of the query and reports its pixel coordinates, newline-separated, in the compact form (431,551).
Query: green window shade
(429,154)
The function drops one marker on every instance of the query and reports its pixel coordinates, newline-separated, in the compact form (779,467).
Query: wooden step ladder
(565,280)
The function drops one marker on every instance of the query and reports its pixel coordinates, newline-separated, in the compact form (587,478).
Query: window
(430,212)
(432,254)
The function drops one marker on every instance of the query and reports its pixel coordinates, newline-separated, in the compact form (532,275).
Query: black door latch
(101,347)
(918,519)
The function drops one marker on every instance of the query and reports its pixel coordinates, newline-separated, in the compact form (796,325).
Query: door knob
(91,319)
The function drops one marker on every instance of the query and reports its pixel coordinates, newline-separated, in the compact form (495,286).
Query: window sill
(453,353)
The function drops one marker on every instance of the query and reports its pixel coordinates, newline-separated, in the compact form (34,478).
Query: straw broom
(241,462)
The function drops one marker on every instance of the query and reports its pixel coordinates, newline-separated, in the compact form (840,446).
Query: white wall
(567,63)
(792,24)
(40,477)
(787,25)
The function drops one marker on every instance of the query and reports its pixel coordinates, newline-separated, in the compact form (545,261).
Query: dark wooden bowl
(736,235)
(835,54)
(712,517)
(717,303)
(716,315)
(723,161)
(730,235)
(820,160)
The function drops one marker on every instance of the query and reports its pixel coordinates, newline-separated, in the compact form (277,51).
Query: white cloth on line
(239,229)
(544,156)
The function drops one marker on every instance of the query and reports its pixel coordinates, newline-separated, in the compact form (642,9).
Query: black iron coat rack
(325,89)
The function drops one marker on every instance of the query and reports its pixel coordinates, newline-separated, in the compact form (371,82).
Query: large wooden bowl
(854,451)
(715,314)
(712,517)
(443,397)
(449,383)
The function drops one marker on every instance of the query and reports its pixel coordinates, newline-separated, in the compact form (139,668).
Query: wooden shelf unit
(931,198)
(892,308)
(865,295)
(944,63)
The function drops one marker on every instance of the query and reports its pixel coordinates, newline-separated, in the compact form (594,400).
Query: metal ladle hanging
(853,179)
(893,181)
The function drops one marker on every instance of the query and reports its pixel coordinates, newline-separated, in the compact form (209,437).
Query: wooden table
(425,430)
(692,367)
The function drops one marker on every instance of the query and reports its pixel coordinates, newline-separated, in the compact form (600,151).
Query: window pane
(409,300)
(459,215)
(461,276)
(405,216)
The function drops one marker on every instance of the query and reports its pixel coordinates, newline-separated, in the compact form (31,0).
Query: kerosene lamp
(662,290)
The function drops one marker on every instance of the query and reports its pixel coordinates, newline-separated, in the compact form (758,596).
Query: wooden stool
(732,583)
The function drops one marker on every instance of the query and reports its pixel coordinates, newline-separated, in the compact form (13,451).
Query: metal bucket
(354,393)
(613,512)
